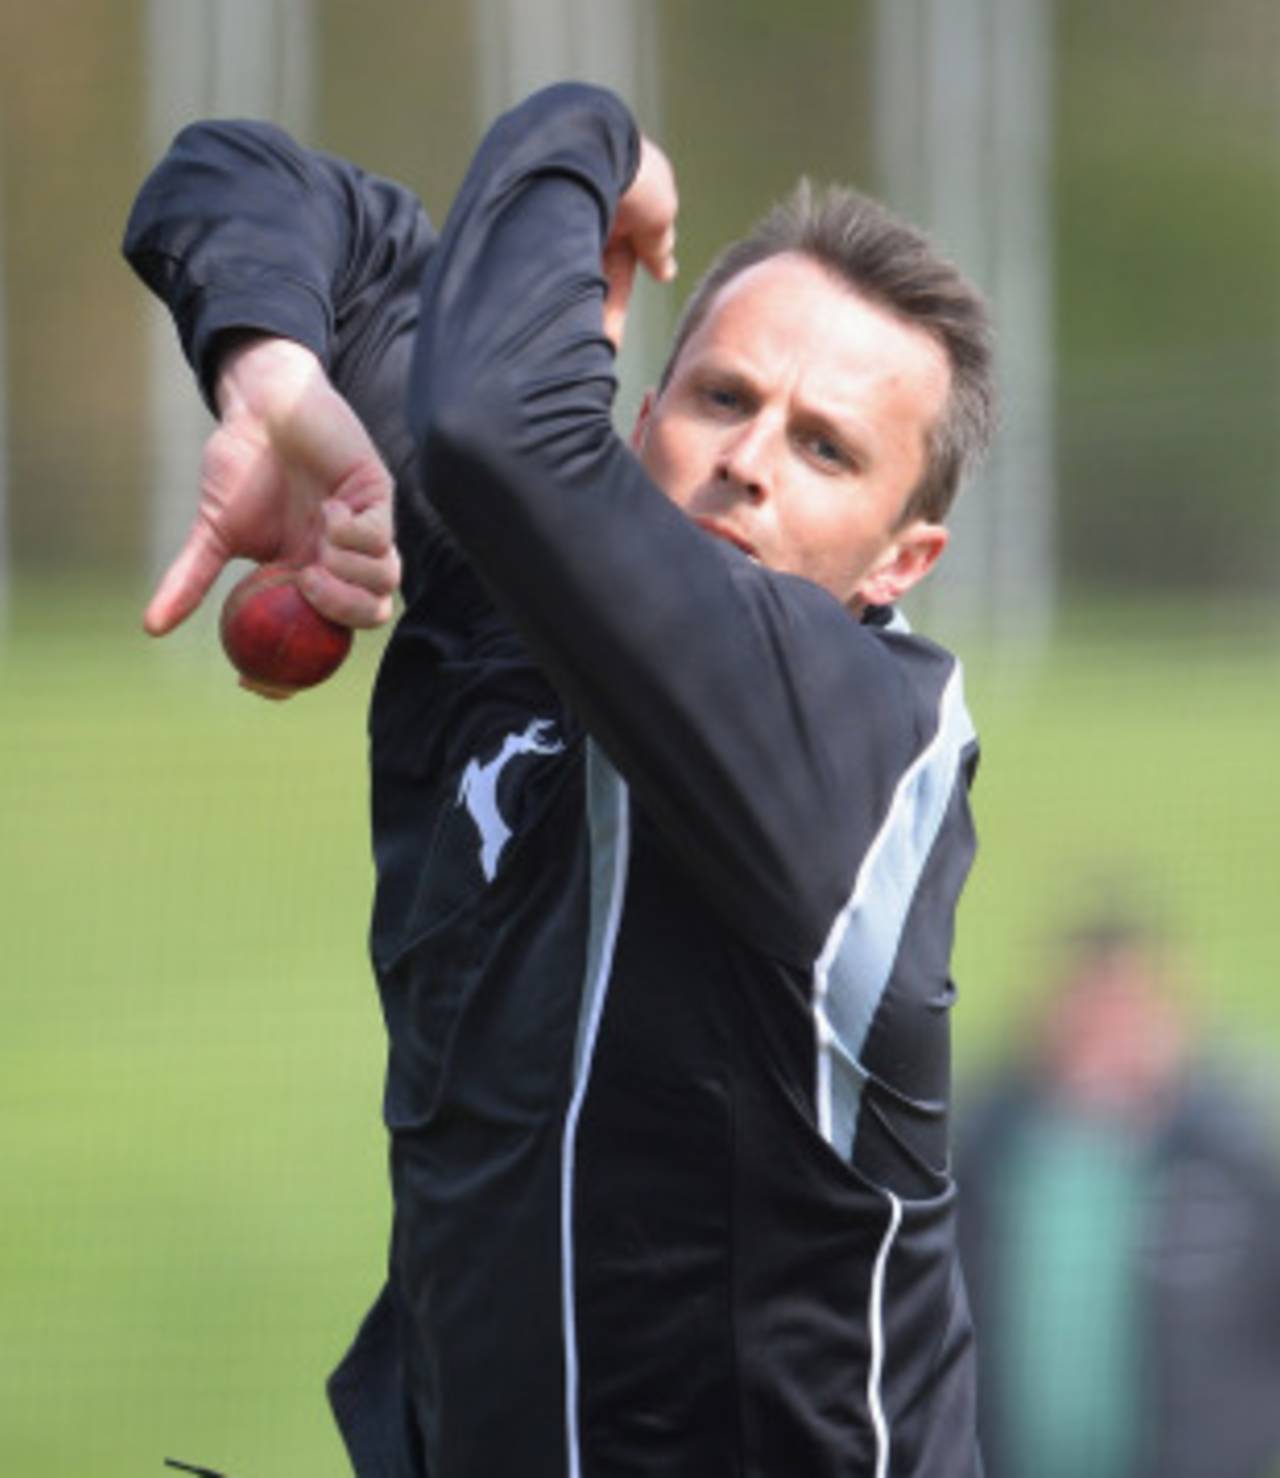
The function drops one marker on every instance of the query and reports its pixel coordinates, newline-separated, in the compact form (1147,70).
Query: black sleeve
(763,729)
(239,228)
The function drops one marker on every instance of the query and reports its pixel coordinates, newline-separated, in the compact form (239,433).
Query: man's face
(794,425)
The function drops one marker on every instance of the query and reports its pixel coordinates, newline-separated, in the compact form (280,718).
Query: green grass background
(194,1193)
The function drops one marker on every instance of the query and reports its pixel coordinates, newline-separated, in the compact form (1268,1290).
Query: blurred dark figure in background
(1120,1226)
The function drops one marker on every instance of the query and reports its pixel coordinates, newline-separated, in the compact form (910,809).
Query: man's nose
(746,459)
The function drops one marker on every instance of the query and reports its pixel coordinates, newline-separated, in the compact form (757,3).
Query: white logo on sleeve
(479,788)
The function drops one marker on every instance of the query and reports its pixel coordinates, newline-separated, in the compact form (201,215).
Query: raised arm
(762,728)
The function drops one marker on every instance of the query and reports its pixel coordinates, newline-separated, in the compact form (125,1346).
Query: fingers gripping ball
(277,641)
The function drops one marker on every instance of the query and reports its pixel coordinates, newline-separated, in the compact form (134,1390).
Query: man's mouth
(730,536)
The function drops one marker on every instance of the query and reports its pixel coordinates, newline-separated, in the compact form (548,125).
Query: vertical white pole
(178,47)
(5,573)
(1024,494)
(963,134)
(960,196)
(208,58)
(897,122)
(525,44)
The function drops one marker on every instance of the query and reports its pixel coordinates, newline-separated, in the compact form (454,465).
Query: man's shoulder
(874,667)
(932,675)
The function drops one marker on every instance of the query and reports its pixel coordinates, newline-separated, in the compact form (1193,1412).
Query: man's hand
(643,233)
(289,474)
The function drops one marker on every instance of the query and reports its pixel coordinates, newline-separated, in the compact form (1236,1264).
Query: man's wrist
(247,357)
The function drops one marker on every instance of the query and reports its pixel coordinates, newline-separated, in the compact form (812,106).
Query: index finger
(186,582)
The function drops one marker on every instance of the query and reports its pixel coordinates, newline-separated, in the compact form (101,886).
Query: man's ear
(905,561)
(641,428)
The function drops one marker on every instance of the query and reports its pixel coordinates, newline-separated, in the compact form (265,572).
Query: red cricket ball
(275,638)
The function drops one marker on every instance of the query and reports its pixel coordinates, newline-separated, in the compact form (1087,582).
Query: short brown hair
(890,263)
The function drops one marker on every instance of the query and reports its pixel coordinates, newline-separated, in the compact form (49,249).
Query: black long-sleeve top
(668,851)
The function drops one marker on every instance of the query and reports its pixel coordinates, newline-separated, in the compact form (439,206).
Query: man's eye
(824,450)
(722,397)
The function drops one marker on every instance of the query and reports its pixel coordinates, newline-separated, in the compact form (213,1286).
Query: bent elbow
(458,441)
